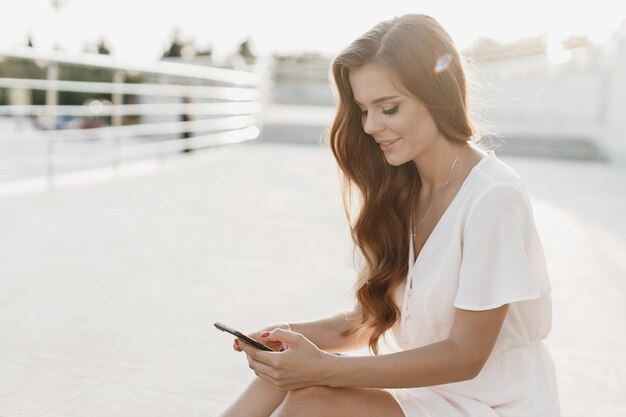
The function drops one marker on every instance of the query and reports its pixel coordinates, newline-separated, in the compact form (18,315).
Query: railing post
(51,118)
(162,138)
(264,67)
(117,99)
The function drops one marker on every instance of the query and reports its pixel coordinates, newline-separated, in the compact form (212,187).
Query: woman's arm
(460,357)
(330,334)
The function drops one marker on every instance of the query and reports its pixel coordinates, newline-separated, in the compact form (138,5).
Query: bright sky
(139,29)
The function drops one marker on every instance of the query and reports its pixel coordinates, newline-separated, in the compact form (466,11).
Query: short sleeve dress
(484,252)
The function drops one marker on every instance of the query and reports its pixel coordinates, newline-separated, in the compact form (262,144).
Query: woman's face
(400,124)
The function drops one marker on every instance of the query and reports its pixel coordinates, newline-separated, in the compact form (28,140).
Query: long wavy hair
(424,63)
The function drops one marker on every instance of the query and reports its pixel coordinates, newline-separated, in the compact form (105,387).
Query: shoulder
(497,187)
(491,171)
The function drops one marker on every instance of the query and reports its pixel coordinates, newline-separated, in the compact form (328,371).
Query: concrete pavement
(108,291)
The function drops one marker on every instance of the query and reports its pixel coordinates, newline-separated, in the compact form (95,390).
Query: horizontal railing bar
(178,90)
(145,149)
(135,109)
(176,145)
(221,123)
(164,68)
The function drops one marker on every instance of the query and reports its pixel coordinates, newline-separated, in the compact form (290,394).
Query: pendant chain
(432,203)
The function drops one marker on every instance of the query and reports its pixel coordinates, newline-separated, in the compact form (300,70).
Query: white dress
(483,253)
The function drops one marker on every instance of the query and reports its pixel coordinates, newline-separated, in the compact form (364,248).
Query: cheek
(407,129)
(403,125)
(423,128)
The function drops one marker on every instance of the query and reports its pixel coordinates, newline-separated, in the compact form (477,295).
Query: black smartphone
(242,336)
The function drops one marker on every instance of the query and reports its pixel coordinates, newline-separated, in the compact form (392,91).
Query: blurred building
(566,96)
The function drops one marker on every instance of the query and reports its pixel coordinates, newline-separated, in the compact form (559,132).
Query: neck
(434,166)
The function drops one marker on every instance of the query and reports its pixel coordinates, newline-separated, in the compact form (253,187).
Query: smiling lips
(387,144)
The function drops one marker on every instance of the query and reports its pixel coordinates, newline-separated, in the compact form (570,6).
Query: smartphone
(242,336)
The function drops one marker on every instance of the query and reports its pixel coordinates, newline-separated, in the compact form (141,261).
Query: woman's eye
(390,111)
(385,111)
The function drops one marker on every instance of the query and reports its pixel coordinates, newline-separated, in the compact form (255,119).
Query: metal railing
(177,111)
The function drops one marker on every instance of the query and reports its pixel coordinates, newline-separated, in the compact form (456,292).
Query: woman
(469,310)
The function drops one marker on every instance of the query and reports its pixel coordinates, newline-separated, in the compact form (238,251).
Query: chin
(396,160)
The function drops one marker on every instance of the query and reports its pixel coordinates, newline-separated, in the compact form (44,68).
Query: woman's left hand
(300,365)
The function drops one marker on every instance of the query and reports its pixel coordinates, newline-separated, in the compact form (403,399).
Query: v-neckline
(413,260)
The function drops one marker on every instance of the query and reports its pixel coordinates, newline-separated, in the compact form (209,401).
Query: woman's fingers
(282,336)
(262,365)
(275,346)
(256,354)
(262,369)
(281,380)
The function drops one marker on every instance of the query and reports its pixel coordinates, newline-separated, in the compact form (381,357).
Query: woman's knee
(305,402)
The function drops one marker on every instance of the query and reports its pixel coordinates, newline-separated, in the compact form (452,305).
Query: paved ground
(108,291)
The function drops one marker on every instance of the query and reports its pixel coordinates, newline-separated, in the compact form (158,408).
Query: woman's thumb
(281,335)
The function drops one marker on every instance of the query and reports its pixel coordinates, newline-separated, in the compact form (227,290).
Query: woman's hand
(276,346)
(300,365)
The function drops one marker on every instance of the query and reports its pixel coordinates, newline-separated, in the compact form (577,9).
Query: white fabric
(483,253)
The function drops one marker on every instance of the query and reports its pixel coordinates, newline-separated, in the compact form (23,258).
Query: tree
(103,48)
(176,46)
(246,52)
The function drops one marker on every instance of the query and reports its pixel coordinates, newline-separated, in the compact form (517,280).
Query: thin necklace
(433,202)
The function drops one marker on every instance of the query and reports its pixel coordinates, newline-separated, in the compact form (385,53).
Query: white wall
(614,134)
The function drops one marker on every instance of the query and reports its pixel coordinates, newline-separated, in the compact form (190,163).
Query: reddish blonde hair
(423,61)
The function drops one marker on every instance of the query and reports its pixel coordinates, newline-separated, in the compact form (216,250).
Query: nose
(371,124)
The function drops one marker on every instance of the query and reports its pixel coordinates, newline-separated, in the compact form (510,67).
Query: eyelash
(387,112)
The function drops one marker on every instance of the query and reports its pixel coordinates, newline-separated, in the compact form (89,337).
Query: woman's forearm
(435,364)
(329,334)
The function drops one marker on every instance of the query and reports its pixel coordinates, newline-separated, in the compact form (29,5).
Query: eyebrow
(380,99)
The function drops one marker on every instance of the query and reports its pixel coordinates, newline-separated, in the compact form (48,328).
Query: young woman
(452,267)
